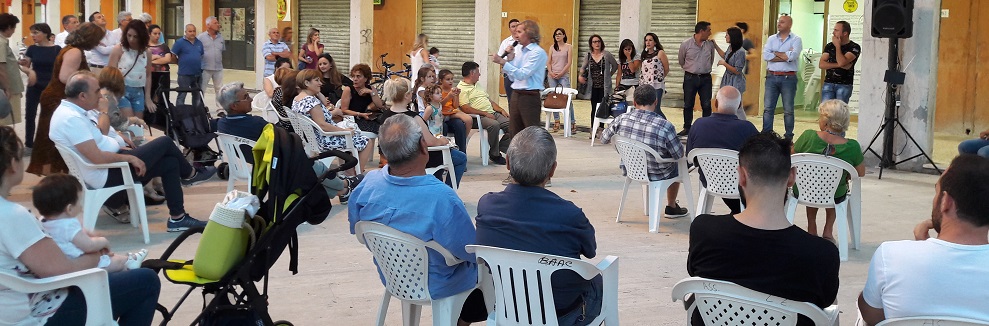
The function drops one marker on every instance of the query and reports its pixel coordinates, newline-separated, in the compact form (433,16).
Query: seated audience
(283,95)
(645,125)
(758,248)
(235,101)
(455,121)
(311,106)
(723,129)
(528,217)
(473,100)
(397,91)
(979,146)
(401,196)
(830,141)
(271,82)
(70,127)
(937,276)
(27,252)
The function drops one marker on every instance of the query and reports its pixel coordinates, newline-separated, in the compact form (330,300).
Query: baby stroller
(189,125)
(290,194)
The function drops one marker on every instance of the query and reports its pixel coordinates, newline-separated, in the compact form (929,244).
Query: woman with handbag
(655,66)
(132,58)
(595,74)
(558,66)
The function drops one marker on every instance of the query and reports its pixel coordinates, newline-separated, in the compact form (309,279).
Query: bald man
(722,129)
(189,51)
(273,49)
(781,52)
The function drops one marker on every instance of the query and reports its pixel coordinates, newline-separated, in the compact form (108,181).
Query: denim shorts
(133,98)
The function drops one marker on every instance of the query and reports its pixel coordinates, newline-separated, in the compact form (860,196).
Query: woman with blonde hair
(419,55)
(830,140)
(308,104)
(310,51)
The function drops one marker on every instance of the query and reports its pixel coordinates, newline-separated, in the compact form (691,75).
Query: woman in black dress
(41,58)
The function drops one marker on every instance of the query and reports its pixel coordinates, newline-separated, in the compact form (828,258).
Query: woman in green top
(830,141)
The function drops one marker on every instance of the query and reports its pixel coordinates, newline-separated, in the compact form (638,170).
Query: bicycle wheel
(379,87)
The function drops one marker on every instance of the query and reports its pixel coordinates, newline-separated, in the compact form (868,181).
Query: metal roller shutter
(673,21)
(450,27)
(332,19)
(599,17)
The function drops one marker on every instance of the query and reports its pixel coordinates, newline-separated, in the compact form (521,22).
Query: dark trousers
(161,81)
(694,85)
(190,81)
(133,298)
(31,100)
(161,159)
(508,88)
(459,131)
(523,110)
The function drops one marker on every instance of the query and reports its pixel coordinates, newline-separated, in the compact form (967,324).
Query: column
(635,17)
(265,19)
(361,25)
(53,15)
(136,7)
(487,32)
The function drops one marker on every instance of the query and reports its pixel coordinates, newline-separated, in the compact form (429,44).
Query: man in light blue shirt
(402,196)
(782,52)
(273,49)
(213,47)
(527,70)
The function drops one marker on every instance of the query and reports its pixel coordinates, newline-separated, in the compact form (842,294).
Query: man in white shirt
(72,128)
(943,276)
(69,25)
(509,42)
(99,56)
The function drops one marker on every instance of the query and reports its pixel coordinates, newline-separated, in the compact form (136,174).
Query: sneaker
(121,214)
(675,212)
(202,174)
(354,181)
(134,259)
(184,223)
(684,132)
(500,160)
(507,181)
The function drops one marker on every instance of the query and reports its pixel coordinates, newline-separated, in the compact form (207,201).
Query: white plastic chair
(565,111)
(522,281)
(720,168)
(727,303)
(262,103)
(594,127)
(817,180)
(236,159)
(92,282)
(932,321)
(483,135)
(93,198)
(404,262)
(636,156)
(447,164)
(306,128)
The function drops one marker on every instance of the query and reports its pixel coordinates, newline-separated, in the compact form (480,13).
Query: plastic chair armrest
(451,260)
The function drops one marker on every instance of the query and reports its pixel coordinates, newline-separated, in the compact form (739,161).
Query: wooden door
(962,105)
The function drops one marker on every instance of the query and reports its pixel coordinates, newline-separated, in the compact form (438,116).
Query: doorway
(237,24)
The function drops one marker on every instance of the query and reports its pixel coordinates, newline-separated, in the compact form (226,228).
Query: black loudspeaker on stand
(893,19)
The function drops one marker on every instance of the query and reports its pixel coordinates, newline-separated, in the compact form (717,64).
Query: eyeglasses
(559,34)
(596,42)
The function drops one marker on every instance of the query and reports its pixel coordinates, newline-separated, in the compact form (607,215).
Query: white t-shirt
(507,42)
(62,231)
(69,127)
(20,231)
(60,38)
(932,277)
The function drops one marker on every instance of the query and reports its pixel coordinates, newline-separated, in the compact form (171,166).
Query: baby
(57,199)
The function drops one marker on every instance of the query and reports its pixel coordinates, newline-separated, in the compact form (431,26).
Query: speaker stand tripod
(891,118)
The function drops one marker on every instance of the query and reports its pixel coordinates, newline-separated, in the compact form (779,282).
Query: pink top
(312,55)
(560,57)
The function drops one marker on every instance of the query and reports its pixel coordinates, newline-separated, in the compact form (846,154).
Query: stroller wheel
(223,171)
(283,323)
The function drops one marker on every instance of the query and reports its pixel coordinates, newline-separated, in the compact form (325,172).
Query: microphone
(506,51)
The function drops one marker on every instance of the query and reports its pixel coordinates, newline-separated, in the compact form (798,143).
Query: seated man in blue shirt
(236,103)
(723,129)
(402,196)
(526,216)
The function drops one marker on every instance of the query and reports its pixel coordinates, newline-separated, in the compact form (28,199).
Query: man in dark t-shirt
(758,248)
(839,64)
(746,43)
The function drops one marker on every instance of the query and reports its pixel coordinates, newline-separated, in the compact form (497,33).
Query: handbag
(556,99)
(604,110)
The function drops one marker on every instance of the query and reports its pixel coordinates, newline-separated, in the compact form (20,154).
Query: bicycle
(378,78)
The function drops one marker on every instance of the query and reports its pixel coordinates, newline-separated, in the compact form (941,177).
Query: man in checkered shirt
(645,125)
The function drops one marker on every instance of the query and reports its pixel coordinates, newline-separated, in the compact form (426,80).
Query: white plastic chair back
(447,164)
(594,126)
(308,134)
(726,303)
(483,138)
(565,111)
(92,282)
(817,181)
(636,156)
(932,321)
(236,159)
(523,290)
(720,168)
(93,198)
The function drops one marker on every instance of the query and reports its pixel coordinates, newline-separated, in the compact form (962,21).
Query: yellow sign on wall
(850,6)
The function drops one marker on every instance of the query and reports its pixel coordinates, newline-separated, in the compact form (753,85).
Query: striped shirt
(649,128)
(269,48)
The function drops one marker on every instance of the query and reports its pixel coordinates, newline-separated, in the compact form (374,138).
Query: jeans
(694,85)
(508,88)
(564,82)
(133,98)
(831,91)
(161,159)
(977,146)
(592,298)
(776,86)
(31,99)
(133,297)
(659,100)
(459,131)
(189,81)
(459,164)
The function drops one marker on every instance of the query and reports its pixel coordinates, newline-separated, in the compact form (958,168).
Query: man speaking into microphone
(527,70)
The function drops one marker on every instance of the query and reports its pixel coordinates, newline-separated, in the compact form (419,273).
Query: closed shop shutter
(450,27)
(601,17)
(332,19)
(673,21)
